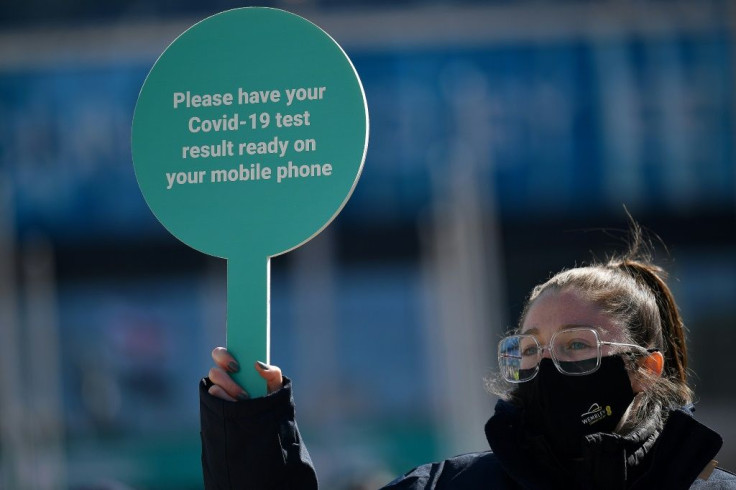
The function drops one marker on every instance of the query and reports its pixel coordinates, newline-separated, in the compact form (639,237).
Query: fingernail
(233,366)
(263,366)
(243,396)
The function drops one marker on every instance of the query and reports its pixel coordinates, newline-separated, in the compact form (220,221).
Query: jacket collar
(683,449)
(645,458)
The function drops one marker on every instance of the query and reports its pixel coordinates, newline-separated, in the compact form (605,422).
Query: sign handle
(248,318)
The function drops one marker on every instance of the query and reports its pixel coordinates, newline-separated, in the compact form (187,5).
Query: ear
(654,362)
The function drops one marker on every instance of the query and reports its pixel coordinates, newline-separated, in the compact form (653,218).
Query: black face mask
(564,409)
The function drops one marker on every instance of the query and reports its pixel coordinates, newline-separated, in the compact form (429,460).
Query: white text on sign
(187,99)
(236,125)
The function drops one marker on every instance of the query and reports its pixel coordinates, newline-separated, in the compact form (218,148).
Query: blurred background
(506,138)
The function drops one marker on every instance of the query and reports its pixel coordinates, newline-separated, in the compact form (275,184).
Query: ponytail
(673,328)
(669,330)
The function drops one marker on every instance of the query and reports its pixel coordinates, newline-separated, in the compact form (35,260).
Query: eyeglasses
(574,351)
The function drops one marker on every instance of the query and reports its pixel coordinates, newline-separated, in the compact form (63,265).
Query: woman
(593,390)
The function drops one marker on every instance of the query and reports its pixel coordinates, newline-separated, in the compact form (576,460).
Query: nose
(546,352)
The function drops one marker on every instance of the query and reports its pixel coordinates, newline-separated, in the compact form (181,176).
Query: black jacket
(255,445)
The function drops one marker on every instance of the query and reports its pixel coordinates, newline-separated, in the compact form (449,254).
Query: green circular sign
(248,138)
(250,133)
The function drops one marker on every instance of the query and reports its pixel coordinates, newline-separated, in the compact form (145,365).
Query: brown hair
(632,291)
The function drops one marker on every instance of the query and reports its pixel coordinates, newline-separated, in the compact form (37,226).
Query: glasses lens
(518,358)
(576,350)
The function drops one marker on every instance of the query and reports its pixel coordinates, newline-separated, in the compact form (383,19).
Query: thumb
(272,375)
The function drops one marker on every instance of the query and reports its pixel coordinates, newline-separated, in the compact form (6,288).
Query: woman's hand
(225,388)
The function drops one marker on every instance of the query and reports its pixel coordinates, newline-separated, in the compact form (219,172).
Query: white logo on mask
(595,413)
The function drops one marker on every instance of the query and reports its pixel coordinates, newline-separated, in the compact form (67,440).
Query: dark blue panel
(569,127)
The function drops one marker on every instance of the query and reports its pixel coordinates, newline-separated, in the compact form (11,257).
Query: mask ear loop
(652,361)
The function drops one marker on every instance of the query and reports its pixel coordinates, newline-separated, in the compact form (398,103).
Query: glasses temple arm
(621,344)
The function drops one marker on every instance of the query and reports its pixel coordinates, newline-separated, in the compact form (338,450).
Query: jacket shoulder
(465,472)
